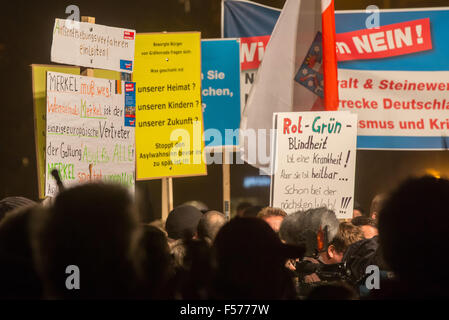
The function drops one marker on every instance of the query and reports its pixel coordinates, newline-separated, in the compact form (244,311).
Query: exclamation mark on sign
(347,158)
(420,40)
(348,200)
(344,204)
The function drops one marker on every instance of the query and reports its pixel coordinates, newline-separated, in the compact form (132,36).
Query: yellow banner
(39,78)
(169,119)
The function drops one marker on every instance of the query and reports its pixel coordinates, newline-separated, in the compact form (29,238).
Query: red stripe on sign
(329,58)
(128,35)
(386,41)
(129,87)
(252,50)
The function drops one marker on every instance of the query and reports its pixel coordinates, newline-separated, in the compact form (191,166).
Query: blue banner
(401,100)
(220,88)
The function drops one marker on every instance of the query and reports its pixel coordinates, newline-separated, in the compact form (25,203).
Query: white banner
(314,161)
(397,103)
(93,45)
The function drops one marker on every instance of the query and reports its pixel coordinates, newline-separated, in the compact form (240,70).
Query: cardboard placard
(93,45)
(314,161)
(169,122)
(86,137)
(39,79)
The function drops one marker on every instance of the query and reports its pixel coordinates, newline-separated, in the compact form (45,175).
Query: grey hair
(322,217)
(302,227)
(209,225)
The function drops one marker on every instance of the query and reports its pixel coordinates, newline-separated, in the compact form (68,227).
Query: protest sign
(86,137)
(394,76)
(169,122)
(313,162)
(220,91)
(39,79)
(93,45)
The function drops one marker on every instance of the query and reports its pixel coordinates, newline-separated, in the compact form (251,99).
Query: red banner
(383,42)
(386,41)
(252,50)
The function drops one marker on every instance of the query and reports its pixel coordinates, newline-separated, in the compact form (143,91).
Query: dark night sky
(25,38)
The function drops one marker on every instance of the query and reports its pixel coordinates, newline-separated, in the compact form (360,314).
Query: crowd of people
(93,230)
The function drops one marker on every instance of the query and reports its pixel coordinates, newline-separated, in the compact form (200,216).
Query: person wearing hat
(182,222)
(181,225)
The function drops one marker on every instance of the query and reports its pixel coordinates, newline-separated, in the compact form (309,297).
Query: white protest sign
(87,138)
(93,45)
(314,161)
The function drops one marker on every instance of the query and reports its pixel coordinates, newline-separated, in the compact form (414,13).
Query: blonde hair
(271,212)
(347,234)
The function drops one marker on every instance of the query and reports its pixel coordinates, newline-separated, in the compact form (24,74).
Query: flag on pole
(298,73)
(329,55)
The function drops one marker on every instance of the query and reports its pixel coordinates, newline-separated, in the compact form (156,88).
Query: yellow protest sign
(39,78)
(169,120)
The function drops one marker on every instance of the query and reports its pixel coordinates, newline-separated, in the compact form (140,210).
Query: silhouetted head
(376,205)
(250,261)
(11,203)
(413,229)
(182,222)
(358,210)
(92,227)
(18,276)
(251,212)
(156,265)
(197,204)
(242,206)
(209,225)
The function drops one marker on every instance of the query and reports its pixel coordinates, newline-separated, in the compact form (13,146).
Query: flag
(242,18)
(329,55)
(298,73)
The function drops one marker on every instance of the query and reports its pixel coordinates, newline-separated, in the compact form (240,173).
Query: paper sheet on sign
(93,45)
(314,161)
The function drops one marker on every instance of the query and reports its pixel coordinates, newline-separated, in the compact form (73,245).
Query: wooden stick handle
(226,185)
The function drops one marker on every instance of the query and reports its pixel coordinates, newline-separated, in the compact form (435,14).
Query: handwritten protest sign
(314,161)
(39,78)
(93,45)
(169,123)
(86,136)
